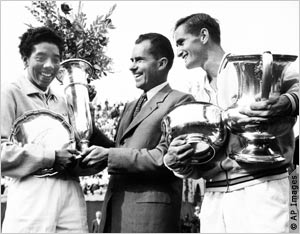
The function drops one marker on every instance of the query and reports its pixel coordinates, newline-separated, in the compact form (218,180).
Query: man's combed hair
(35,36)
(195,22)
(160,46)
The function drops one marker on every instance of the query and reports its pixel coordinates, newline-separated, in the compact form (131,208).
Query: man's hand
(64,158)
(94,155)
(179,155)
(272,115)
(178,160)
(272,107)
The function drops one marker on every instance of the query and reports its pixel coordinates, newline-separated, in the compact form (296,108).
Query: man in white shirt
(238,198)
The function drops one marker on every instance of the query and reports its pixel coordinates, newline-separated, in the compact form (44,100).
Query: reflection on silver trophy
(74,74)
(43,128)
(258,77)
(202,123)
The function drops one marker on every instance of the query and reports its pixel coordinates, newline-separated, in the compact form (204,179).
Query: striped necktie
(141,101)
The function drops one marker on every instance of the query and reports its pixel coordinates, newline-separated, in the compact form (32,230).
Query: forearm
(22,161)
(79,170)
(127,160)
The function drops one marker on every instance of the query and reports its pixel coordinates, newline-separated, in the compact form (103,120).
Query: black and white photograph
(149,116)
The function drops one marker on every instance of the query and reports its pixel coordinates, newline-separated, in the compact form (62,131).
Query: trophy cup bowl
(203,125)
(258,77)
(74,74)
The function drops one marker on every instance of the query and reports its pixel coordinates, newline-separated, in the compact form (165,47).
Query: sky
(247,27)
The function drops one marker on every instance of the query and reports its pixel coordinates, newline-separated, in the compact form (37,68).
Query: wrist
(106,152)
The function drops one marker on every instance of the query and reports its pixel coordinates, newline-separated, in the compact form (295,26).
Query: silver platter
(44,128)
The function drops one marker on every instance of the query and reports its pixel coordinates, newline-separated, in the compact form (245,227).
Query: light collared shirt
(227,79)
(46,92)
(18,98)
(151,93)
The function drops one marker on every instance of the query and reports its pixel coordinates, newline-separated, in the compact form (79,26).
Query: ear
(162,63)
(204,35)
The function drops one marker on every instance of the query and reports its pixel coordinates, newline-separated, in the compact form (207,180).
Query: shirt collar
(212,94)
(151,93)
(222,64)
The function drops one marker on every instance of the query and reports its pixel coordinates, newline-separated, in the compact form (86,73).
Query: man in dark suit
(96,222)
(143,195)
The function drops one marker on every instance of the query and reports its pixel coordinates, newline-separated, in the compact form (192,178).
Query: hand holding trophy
(199,124)
(75,75)
(257,78)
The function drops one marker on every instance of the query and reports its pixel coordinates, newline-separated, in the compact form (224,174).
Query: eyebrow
(44,53)
(137,58)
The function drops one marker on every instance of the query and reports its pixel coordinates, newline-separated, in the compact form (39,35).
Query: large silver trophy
(74,74)
(43,128)
(257,77)
(203,126)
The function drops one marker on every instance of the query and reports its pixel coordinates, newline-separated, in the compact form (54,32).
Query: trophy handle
(257,75)
(267,76)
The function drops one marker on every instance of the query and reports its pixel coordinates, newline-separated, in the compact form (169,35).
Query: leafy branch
(80,40)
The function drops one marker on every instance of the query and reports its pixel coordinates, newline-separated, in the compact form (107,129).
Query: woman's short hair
(38,35)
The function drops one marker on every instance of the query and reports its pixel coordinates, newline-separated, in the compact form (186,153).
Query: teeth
(46,74)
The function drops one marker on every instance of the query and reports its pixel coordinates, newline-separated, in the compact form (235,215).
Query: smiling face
(43,64)
(145,67)
(190,48)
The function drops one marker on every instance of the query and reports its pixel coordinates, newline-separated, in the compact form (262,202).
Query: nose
(132,67)
(49,63)
(179,52)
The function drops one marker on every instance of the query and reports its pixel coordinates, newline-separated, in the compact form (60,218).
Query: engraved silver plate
(45,128)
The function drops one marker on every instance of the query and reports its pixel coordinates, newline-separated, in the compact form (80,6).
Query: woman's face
(43,64)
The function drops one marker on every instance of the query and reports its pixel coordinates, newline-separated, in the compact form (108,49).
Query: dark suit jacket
(143,195)
(95,226)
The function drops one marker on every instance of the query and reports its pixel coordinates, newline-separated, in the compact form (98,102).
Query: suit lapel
(149,107)
(125,119)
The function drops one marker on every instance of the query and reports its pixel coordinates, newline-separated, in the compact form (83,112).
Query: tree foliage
(80,40)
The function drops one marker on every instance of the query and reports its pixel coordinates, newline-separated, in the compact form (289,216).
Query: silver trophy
(203,126)
(44,128)
(257,77)
(74,75)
